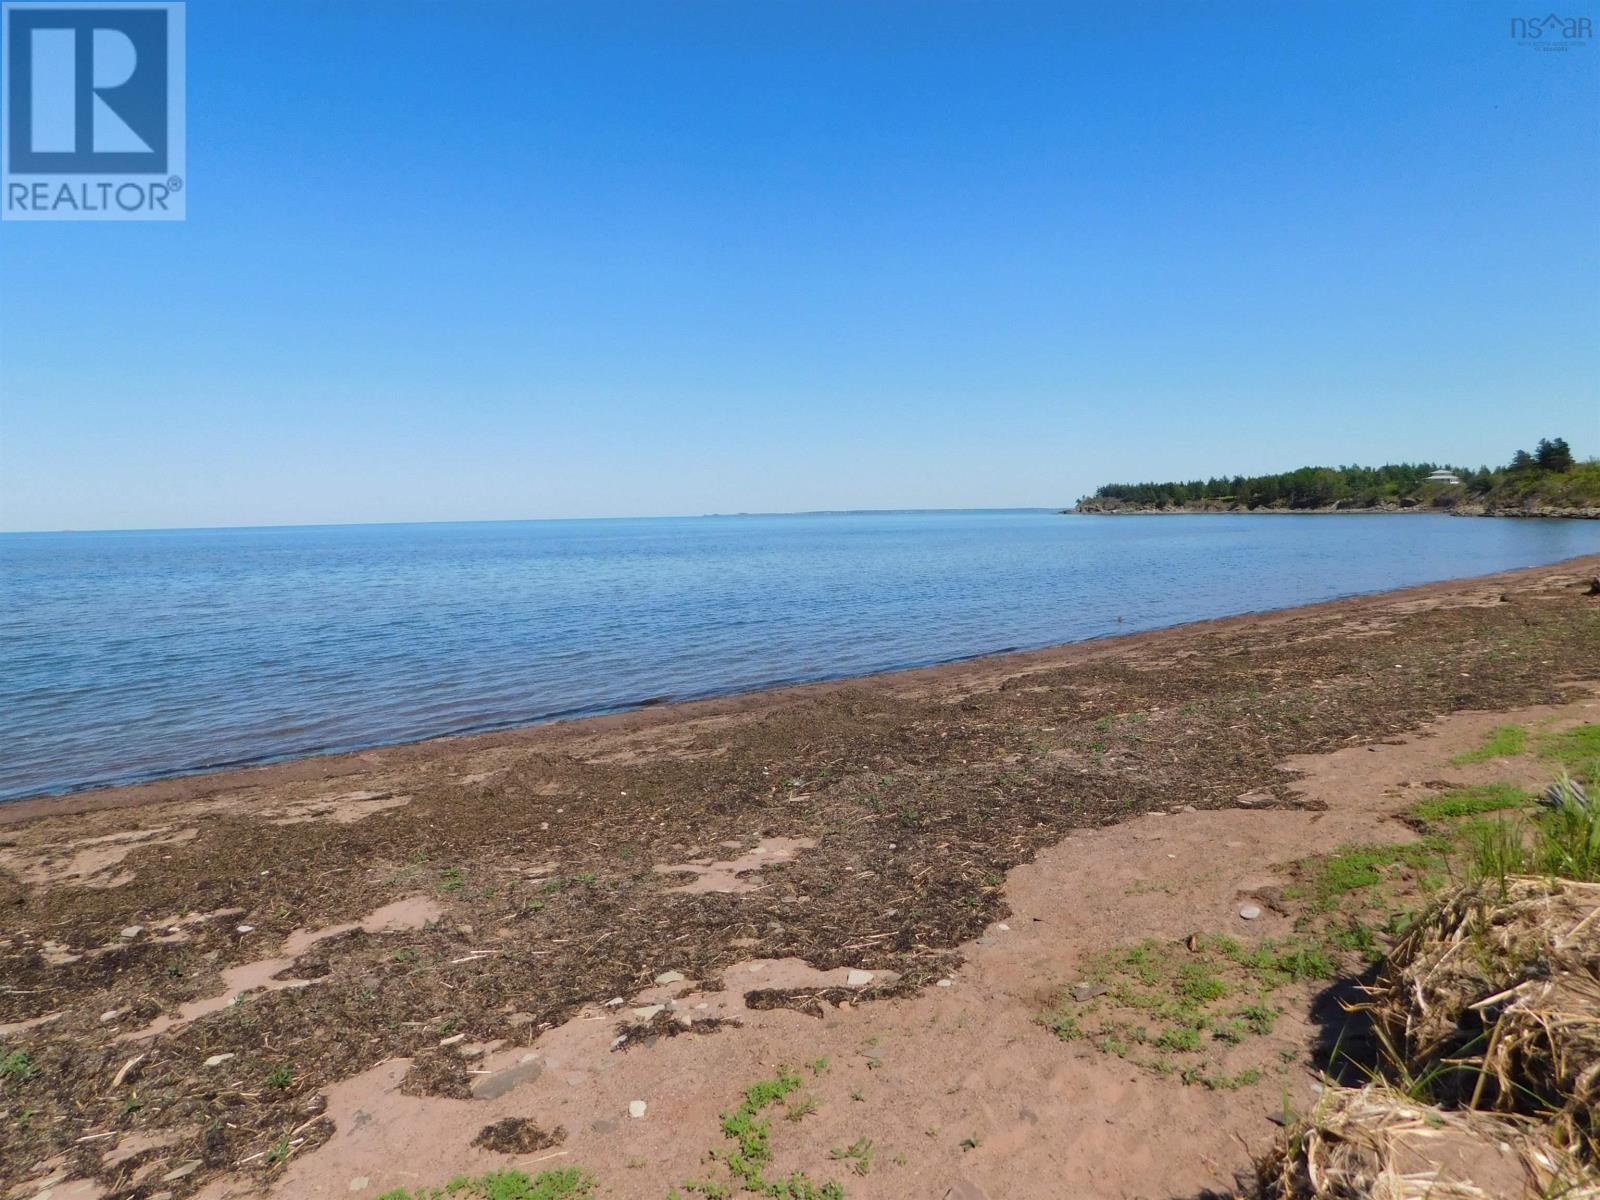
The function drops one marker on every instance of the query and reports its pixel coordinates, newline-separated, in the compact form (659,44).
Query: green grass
(1470,802)
(1167,1007)
(1334,881)
(1577,750)
(1564,843)
(1507,741)
(566,1183)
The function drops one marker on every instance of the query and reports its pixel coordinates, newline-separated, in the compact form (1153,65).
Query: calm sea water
(129,656)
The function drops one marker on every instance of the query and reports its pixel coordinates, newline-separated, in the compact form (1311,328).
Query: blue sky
(485,260)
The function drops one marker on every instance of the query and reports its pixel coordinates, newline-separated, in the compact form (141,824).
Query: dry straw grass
(1375,1143)
(1493,1002)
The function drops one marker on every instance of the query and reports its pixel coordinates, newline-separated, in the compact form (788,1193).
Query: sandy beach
(578,944)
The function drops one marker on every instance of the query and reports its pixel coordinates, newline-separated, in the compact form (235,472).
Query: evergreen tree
(1553,454)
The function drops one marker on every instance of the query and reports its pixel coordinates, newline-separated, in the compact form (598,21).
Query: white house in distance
(1443,476)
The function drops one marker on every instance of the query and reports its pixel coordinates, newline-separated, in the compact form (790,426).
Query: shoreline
(304,766)
(332,978)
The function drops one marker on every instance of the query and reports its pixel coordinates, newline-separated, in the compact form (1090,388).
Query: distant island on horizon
(1546,482)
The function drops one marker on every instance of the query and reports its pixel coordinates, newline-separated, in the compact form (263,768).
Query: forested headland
(1547,480)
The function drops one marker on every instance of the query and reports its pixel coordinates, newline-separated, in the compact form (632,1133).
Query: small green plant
(279,1077)
(749,1153)
(278,1153)
(858,1153)
(567,1183)
(801,1107)
(452,879)
(19,1066)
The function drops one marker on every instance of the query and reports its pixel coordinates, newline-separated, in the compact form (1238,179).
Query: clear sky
(496,260)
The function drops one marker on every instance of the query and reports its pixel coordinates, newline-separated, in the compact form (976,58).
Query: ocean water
(131,656)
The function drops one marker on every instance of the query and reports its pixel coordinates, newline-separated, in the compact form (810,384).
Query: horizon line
(804,512)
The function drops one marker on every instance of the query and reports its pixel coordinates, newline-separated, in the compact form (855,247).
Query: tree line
(1351,486)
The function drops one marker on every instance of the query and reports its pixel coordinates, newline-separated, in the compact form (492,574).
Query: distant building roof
(1443,477)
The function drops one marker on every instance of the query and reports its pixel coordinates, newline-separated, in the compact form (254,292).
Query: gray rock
(1082,992)
(667,977)
(637,1108)
(182,1172)
(1250,912)
(492,1087)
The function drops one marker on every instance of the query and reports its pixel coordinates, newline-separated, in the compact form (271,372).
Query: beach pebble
(1003,927)
(1250,912)
(636,1109)
(244,928)
(667,977)
(216,1060)
(858,979)
(946,983)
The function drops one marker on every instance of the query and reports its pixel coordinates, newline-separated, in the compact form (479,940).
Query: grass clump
(566,1183)
(1507,741)
(1563,843)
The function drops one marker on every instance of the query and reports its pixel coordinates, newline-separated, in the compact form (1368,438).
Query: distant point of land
(1547,482)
